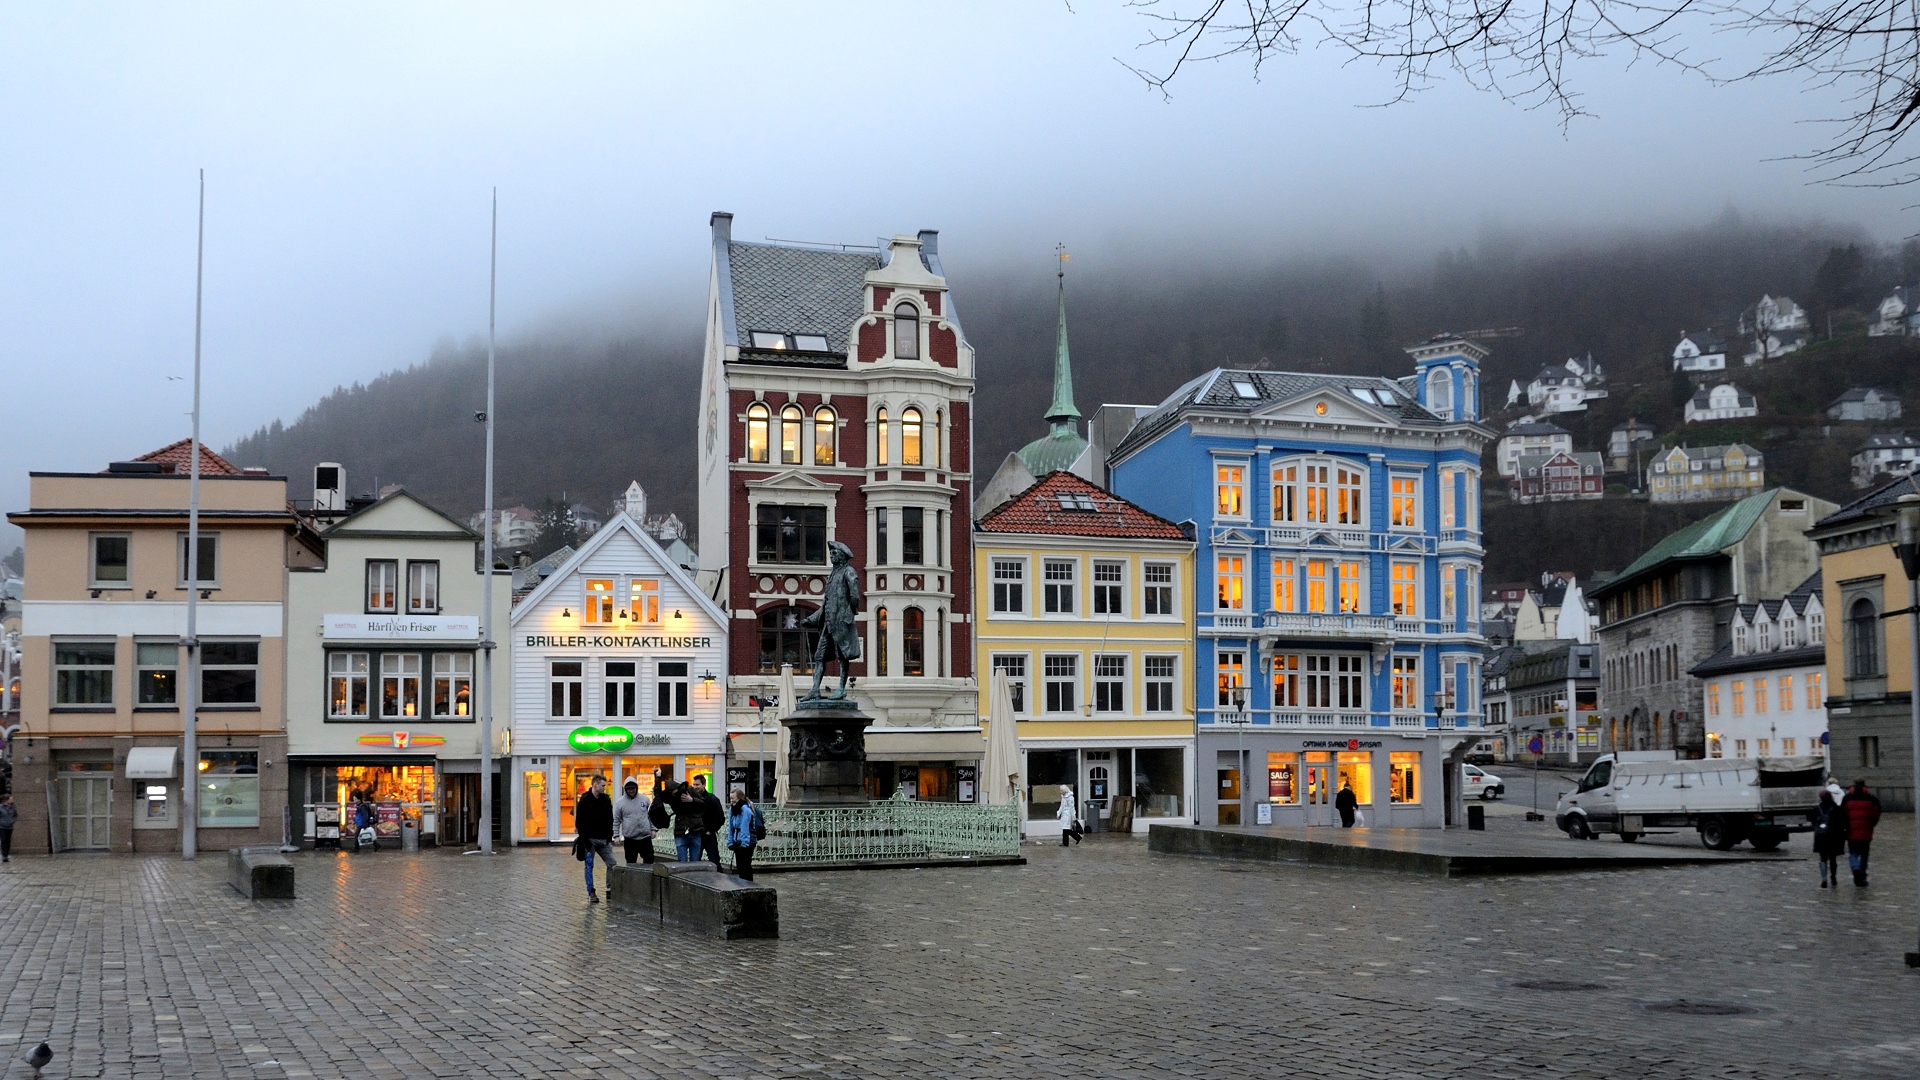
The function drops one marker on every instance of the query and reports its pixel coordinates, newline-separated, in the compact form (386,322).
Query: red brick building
(835,405)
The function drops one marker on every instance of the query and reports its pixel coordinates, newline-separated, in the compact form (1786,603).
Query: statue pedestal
(827,760)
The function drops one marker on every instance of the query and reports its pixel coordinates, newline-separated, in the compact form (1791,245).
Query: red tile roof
(1059,504)
(177,456)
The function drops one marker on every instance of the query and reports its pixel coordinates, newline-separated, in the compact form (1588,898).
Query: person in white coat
(1069,818)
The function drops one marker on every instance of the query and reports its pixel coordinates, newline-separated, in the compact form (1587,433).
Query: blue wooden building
(1338,581)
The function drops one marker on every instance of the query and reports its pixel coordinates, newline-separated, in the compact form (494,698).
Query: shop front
(1117,783)
(548,786)
(1295,778)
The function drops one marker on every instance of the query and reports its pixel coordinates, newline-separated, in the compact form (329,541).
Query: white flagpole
(486,559)
(189,738)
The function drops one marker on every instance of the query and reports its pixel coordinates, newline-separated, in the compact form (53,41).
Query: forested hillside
(585,416)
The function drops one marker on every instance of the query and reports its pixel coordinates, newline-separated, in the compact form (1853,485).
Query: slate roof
(1588,460)
(1724,662)
(1043,508)
(1708,536)
(1703,399)
(1866,505)
(1888,440)
(1715,453)
(790,289)
(177,458)
(1534,427)
(1706,341)
(1214,392)
(1859,393)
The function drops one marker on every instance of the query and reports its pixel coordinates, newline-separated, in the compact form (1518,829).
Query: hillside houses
(1529,436)
(1706,474)
(1886,454)
(1723,402)
(1557,477)
(1567,388)
(1773,328)
(1621,440)
(1896,316)
(1865,403)
(1700,350)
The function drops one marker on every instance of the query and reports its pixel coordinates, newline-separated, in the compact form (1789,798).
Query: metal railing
(896,830)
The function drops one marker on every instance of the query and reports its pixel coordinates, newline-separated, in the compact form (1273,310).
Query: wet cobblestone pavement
(1098,961)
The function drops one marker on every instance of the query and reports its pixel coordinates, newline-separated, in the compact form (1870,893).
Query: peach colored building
(97,762)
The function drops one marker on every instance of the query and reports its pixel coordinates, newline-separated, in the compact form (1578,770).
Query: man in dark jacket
(688,820)
(593,825)
(1862,810)
(1348,804)
(713,819)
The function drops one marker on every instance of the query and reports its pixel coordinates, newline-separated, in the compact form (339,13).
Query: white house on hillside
(1774,327)
(1865,403)
(1891,453)
(1568,387)
(1723,402)
(1895,316)
(1700,350)
(1529,436)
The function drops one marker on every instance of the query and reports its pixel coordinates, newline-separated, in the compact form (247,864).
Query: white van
(1759,800)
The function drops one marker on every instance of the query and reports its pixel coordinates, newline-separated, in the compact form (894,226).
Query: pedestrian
(1348,804)
(1829,838)
(9,815)
(687,825)
(633,822)
(593,831)
(713,821)
(745,828)
(1069,822)
(1862,808)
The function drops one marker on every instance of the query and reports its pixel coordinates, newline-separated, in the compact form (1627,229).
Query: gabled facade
(835,405)
(1723,402)
(1529,436)
(1338,528)
(1086,607)
(1700,351)
(617,666)
(1558,477)
(1568,387)
(1893,316)
(1621,442)
(1706,474)
(1889,454)
(1774,327)
(1865,403)
(1765,689)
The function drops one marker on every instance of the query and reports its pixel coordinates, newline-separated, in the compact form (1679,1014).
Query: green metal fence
(897,830)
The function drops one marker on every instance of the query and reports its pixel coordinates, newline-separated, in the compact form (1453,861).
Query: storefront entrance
(1319,790)
(84,798)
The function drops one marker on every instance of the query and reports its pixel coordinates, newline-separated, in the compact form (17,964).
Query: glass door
(1097,782)
(1319,791)
(86,809)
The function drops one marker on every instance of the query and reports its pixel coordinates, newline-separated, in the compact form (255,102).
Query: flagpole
(486,558)
(190,573)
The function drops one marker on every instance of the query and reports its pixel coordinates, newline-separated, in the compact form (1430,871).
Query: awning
(151,762)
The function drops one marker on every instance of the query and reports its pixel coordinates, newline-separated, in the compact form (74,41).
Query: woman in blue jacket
(745,826)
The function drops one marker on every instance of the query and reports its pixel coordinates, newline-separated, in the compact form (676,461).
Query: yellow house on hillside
(1084,603)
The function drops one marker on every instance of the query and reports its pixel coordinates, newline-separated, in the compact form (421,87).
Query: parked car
(1488,786)
(1758,800)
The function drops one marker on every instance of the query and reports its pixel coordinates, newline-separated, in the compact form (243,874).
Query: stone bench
(260,873)
(696,897)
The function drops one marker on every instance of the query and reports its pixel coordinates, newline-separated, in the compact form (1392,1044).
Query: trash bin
(1095,823)
(1476,817)
(410,834)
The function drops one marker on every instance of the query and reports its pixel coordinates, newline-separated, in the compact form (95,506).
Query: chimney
(722,224)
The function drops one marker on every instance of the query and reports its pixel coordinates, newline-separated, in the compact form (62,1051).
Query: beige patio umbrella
(1002,782)
(785,742)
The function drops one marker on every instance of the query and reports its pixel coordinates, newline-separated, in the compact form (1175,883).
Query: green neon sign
(592,740)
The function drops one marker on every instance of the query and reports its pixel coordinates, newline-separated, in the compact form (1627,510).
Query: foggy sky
(350,149)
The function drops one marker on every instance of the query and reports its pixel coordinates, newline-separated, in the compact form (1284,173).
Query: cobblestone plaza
(1102,960)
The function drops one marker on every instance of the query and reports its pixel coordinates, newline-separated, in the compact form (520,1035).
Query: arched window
(1469,396)
(933,441)
(790,435)
(1863,639)
(910,437)
(906,332)
(784,641)
(1440,393)
(913,640)
(825,425)
(880,437)
(880,643)
(757,417)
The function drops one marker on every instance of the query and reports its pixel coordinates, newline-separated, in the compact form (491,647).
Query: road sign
(1534,745)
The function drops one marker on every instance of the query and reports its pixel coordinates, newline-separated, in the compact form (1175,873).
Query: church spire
(1061,414)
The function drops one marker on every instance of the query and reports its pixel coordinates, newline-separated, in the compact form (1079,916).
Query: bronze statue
(839,634)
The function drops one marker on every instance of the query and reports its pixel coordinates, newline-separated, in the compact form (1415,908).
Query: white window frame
(170,648)
(1221,484)
(180,562)
(1018,682)
(1222,574)
(113,649)
(1395,476)
(566,690)
(1051,586)
(1011,587)
(1299,477)
(454,670)
(1067,683)
(673,690)
(1109,683)
(1394,583)
(423,586)
(1166,593)
(388,570)
(94,580)
(1109,593)
(1406,671)
(340,669)
(620,697)
(1167,683)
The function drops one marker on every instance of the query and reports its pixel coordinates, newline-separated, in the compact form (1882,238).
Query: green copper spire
(1061,412)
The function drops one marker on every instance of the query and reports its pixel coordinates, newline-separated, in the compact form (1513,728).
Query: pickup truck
(1758,800)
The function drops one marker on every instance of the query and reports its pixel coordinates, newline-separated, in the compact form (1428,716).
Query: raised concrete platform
(260,873)
(696,897)
(1433,852)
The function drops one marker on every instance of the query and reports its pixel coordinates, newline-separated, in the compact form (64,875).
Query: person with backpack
(745,828)
(633,822)
(1862,811)
(1829,838)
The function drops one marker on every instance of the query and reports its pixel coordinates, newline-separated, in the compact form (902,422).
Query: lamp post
(762,704)
(1908,548)
(1456,778)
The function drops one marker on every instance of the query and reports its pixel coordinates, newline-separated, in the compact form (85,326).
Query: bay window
(1286,492)
(913,533)
(1286,680)
(1230,676)
(790,534)
(825,426)
(906,332)
(790,418)
(910,436)
(880,440)
(913,642)
(1317,493)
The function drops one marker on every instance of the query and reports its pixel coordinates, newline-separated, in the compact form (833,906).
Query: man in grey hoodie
(630,822)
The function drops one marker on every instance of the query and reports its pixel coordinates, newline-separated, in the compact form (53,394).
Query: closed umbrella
(787,702)
(1002,781)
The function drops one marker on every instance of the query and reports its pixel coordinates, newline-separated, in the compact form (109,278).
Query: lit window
(1350,599)
(1406,683)
(1285,491)
(906,333)
(383,585)
(1285,595)
(599,605)
(1405,504)
(880,443)
(1786,693)
(910,437)
(1231,580)
(1814,701)
(1230,490)
(1231,679)
(1759,695)
(453,684)
(790,418)
(644,600)
(1449,487)
(1739,699)
(1404,785)
(882,644)
(757,435)
(347,685)
(400,685)
(1406,589)
(1350,507)
(824,427)
(1318,595)
(157,672)
(1713,699)
(423,588)
(1286,680)
(1317,493)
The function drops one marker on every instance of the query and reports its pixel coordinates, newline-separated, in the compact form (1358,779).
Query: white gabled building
(1723,402)
(1894,317)
(1765,692)
(1886,454)
(1700,351)
(618,661)
(1527,437)
(1569,387)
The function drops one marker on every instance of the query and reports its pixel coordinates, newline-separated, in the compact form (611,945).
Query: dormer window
(906,332)
(1739,639)
(1766,636)
(810,342)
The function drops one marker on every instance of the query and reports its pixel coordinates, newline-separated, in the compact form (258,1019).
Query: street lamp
(763,703)
(1456,776)
(1908,548)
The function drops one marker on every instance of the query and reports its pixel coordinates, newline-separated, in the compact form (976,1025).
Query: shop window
(599,602)
(1015,668)
(910,436)
(673,687)
(825,426)
(1156,594)
(1354,769)
(1010,586)
(913,642)
(1406,589)
(1286,680)
(783,640)
(790,418)
(347,685)
(913,535)
(533,803)
(882,644)
(423,588)
(565,688)
(109,558)
(1159,782)
(229,672)
(207,565)
(576,776)
(1109,583)
(1230,490)
(1404,786)
(653,773)
(790,534)
(758,418)
(1047,772)
(1110,684)
(1286,492)
(1231,679)
(1230,580)
(906,332)
(700,770)
(1057,586)
(1159,673)
(383,586)
(1283,777)
(1406,683)
(643,596)
(156,672)
(229,789)
(880,448)
(1062,677)
(1404,502)
(83,672)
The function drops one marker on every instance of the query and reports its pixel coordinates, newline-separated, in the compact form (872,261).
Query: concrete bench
(260,873)
(696,897)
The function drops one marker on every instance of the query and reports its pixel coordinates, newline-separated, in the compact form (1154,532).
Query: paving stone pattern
(1098,961)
